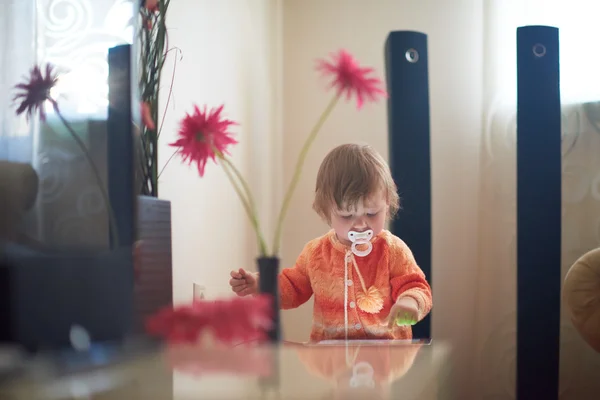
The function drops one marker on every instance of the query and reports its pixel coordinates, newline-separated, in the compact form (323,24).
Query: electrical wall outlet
(199,292)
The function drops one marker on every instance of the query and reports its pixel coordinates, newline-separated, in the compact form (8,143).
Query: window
(579,31)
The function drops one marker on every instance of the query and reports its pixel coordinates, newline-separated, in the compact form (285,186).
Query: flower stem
(298,170)
(84,150)
(247,200)
(167,163)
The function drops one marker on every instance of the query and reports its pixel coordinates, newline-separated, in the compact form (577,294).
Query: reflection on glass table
(416,370)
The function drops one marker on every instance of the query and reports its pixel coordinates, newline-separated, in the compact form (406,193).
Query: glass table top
(331,369)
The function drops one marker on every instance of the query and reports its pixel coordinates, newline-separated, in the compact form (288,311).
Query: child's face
(370,213)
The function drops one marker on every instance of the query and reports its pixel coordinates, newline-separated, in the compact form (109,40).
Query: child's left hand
(404,313)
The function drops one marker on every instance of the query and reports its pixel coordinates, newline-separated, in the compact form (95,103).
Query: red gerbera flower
(351,79)
(36,91)
(203,135)
(235,320)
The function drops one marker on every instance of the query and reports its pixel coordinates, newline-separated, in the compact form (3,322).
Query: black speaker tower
(538,212)
(409,147)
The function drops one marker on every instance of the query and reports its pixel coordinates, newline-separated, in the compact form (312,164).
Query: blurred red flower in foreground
(351,79)
(231,321)
(204,135)
(35,91)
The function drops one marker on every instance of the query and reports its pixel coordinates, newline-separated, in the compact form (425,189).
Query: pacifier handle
(361,238)
(361,253)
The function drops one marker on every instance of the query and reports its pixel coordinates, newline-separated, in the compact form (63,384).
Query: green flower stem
(244,193)
(167,163)
(247,199)
(112,220)
(297,172)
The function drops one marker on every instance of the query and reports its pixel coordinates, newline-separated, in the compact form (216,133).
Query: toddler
(365,280)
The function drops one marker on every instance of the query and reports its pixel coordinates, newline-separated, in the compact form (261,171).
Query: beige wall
(232,55)
(229,57)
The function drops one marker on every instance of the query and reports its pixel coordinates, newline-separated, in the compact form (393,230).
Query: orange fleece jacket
(319,270)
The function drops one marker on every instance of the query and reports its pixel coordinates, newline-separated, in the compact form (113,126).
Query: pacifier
(359,238)
(362,375)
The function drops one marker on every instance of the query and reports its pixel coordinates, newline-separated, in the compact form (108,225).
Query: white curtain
(17,55)
(495,347)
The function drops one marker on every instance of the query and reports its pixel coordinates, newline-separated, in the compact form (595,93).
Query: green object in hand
(406,319)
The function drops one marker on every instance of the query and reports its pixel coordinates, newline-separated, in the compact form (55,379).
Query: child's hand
(243,282)
(404,313)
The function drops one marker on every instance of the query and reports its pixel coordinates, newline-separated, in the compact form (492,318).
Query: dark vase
(268,268)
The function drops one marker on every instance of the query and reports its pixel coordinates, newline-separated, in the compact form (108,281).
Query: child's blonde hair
(350,173)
